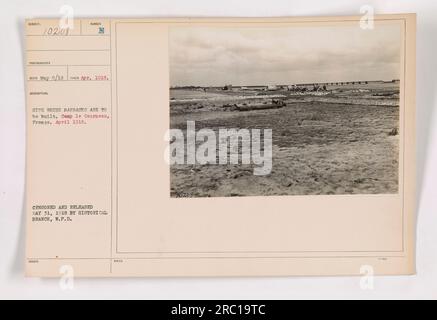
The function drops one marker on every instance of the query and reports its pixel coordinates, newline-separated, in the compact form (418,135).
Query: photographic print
(284,110)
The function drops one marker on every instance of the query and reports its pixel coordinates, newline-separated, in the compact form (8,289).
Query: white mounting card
(220,147)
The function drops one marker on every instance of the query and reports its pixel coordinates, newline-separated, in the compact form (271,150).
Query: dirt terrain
(344,140)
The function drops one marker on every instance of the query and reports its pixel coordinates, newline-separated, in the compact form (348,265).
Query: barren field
(341,141)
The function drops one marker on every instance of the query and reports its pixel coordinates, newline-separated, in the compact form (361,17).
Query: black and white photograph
(329,96)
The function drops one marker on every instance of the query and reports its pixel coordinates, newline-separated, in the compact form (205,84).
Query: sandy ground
(336,143)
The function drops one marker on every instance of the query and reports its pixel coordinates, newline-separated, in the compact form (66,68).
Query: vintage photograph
(284,110)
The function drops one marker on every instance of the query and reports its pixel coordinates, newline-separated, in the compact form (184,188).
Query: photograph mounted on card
(221,146)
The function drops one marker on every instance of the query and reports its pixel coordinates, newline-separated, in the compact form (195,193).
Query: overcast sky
(207,56)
